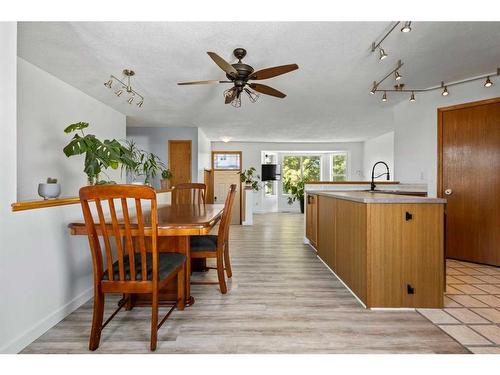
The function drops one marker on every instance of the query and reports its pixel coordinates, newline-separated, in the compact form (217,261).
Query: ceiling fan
(239,74)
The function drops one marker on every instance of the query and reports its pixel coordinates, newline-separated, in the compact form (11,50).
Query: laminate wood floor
(281,299)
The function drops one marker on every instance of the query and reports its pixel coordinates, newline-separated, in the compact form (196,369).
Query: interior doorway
(179,161)
(469,178)
(226,166)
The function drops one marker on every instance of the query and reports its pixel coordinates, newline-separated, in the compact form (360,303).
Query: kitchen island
(387,249)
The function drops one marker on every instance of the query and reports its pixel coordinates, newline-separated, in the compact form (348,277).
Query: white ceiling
(328,97)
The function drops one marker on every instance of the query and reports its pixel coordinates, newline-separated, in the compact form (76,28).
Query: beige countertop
(369,197)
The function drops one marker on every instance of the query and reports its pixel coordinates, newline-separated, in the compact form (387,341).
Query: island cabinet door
(312,219)
(423,255)
(326,230)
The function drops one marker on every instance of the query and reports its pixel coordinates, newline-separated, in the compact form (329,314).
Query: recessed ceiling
(328,97)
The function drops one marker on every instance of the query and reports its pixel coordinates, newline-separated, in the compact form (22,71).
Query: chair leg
(181,290)
(220,274)
(154,320)
(227,262)
(98,313)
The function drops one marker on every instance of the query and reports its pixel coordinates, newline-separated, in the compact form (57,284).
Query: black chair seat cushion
(204,243)
(167,263)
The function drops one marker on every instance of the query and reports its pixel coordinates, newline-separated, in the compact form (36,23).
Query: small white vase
(47,191)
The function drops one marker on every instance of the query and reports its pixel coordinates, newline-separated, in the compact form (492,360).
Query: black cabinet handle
(408,216)
(410,289)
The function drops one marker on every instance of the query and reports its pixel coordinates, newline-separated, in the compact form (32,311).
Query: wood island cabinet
(388,254)
(312,218)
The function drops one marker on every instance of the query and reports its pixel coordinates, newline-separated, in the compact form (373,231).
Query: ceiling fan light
(407,27)
(382,53)
(252,95)
(488,82)
(384,97)
(236,103)
(412,97)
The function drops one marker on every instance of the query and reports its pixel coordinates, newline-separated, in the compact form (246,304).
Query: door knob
(448,191)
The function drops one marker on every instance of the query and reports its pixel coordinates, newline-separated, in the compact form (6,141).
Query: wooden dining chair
(129,268)
(217,246)
(189,193)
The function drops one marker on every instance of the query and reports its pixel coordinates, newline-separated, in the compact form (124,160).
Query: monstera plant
(99,155)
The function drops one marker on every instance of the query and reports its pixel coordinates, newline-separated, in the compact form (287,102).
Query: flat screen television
(268,172)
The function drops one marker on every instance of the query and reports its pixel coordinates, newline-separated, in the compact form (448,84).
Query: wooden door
(223,179)
(179,161)
(470,180)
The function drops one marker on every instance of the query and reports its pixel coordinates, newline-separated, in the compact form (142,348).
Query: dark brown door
(179,161)
(471,181)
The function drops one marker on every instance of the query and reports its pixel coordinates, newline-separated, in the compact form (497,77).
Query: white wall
(415,138)
(46,105)
(44,272)
(252,158)
(155,140)
(204,154)
(376,149)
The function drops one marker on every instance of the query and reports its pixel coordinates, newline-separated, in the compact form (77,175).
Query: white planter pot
(47,191)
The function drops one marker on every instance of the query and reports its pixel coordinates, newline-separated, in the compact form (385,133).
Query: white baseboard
(38,329)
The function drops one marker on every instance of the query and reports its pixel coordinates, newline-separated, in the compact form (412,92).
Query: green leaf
(76,126)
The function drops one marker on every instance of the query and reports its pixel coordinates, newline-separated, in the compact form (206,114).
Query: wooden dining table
(176,223)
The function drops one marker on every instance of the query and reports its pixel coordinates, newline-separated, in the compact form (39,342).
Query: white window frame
(347,166)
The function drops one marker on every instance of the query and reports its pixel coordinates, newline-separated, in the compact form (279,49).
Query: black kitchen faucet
(372,186)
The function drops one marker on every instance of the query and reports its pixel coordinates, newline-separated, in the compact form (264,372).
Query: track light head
(412,97)
(140,103)
(384,97)
(130,100)
(382,54)
(374,88)
(445,91)
(119,92)
(488,82)
(109,83)
(407,27)
(397,76)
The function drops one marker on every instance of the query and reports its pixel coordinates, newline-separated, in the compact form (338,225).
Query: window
(296,167)
(269,188)
(339,166)
(226,160)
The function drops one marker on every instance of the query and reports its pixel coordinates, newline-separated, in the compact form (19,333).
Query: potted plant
(151,167)
(166,176)
(132,171)
(295,191)
(99,155)
(50,189)
(250,178)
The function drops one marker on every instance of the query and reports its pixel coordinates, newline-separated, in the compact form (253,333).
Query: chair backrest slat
(189,193)
(223,233)
(142,243)
(128,239)
(107,243)
(129,234)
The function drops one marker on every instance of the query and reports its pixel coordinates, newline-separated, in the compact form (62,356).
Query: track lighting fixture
(445,91)
(400,87)
(407,27)
(382,54)
(125,85)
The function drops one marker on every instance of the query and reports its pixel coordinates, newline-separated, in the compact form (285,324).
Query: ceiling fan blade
(223,64)
(264,89)
(230,97)
(273,72)
(209,82)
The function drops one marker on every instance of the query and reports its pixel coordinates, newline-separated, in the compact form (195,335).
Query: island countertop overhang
(377,197)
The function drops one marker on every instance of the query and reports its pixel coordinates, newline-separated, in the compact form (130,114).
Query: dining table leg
(185,248)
